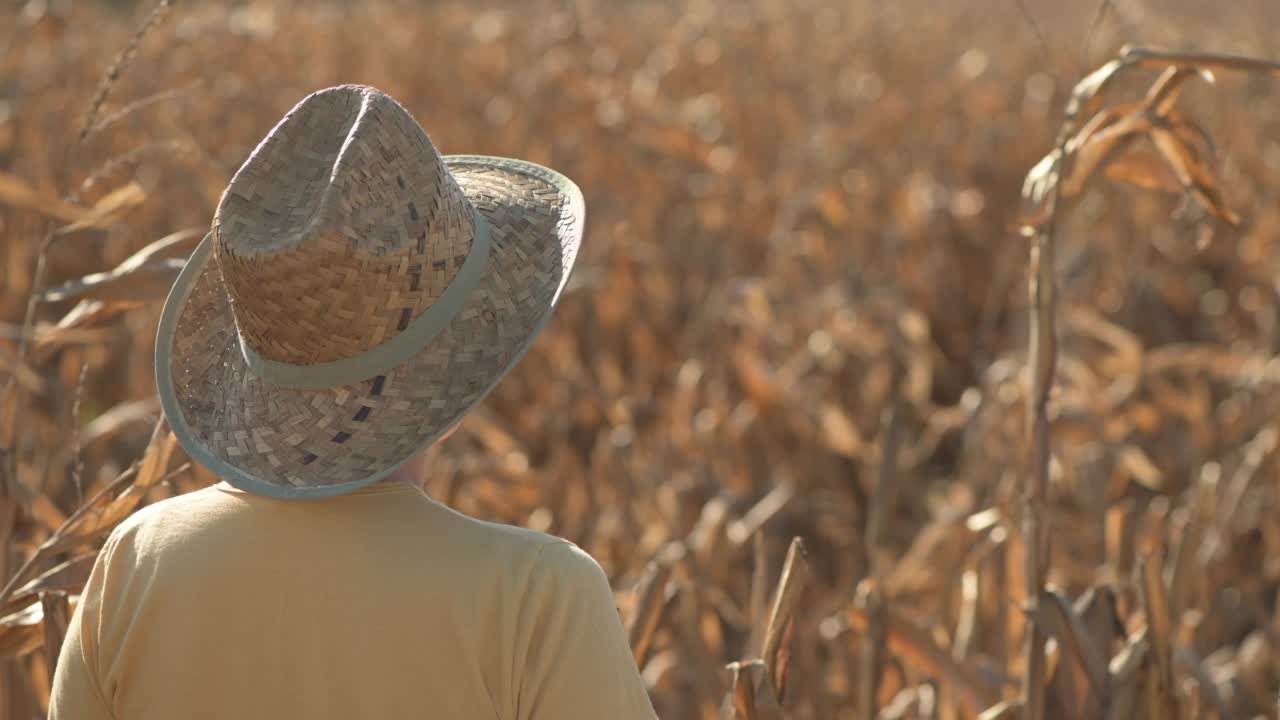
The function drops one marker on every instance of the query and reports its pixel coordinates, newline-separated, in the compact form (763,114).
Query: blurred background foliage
(801,214)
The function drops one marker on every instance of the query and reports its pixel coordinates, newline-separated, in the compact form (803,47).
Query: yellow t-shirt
(377,604)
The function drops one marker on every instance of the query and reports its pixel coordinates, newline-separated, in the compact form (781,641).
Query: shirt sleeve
(573,658)
(77,691)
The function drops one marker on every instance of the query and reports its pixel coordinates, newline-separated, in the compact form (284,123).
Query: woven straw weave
(345,221)
(343,227)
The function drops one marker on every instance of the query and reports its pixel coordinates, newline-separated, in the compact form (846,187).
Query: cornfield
(922,362)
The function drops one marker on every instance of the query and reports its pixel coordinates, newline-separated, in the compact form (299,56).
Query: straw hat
(358,293)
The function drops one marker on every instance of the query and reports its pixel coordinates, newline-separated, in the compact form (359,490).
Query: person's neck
(410,473)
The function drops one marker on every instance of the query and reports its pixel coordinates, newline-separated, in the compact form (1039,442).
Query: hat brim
(286,443)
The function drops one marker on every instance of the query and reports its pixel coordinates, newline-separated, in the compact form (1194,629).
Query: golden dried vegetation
(857,325)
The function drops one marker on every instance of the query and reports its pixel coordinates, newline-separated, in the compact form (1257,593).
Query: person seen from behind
(357,295)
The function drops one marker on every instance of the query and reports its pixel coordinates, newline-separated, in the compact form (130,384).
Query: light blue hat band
(385,356)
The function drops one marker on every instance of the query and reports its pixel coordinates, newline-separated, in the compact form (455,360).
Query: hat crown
(342,227)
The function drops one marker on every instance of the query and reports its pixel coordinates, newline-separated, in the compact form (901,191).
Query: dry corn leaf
(1160,631)
(706,536)
(1192,172)
(77,326)
(28,379)
(1164,92)
(1187,658)
(1044,176)
(839,434)
(1004,710)
(1194,136)
(91,525)
(20,632)
(1100,143)
(870,654)
(750,695)
(1127,678)
(109,209)
(149,281)
(1256,452)
(1038,184)
(56,616)
(16,192)
(112,422)
(176,245)
(740,704)
(776,649)
(739,531)
(906,704)
(758,594)
(148,274)
(45,511)
(756,379)
(1125,365)
(1055,616)
(1087,93)
(1145,170)
(651,600)
(943,543)
(1255,663)
(89,313)
(486,429)
(1098,613)
(66,577)
(916,646)
(1183,562)
(967,622)
(94,313)
(1139,467)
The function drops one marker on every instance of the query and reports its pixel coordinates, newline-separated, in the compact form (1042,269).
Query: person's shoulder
(164,517)
(566,560)
(505,540)
(535,551)
(563,573)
